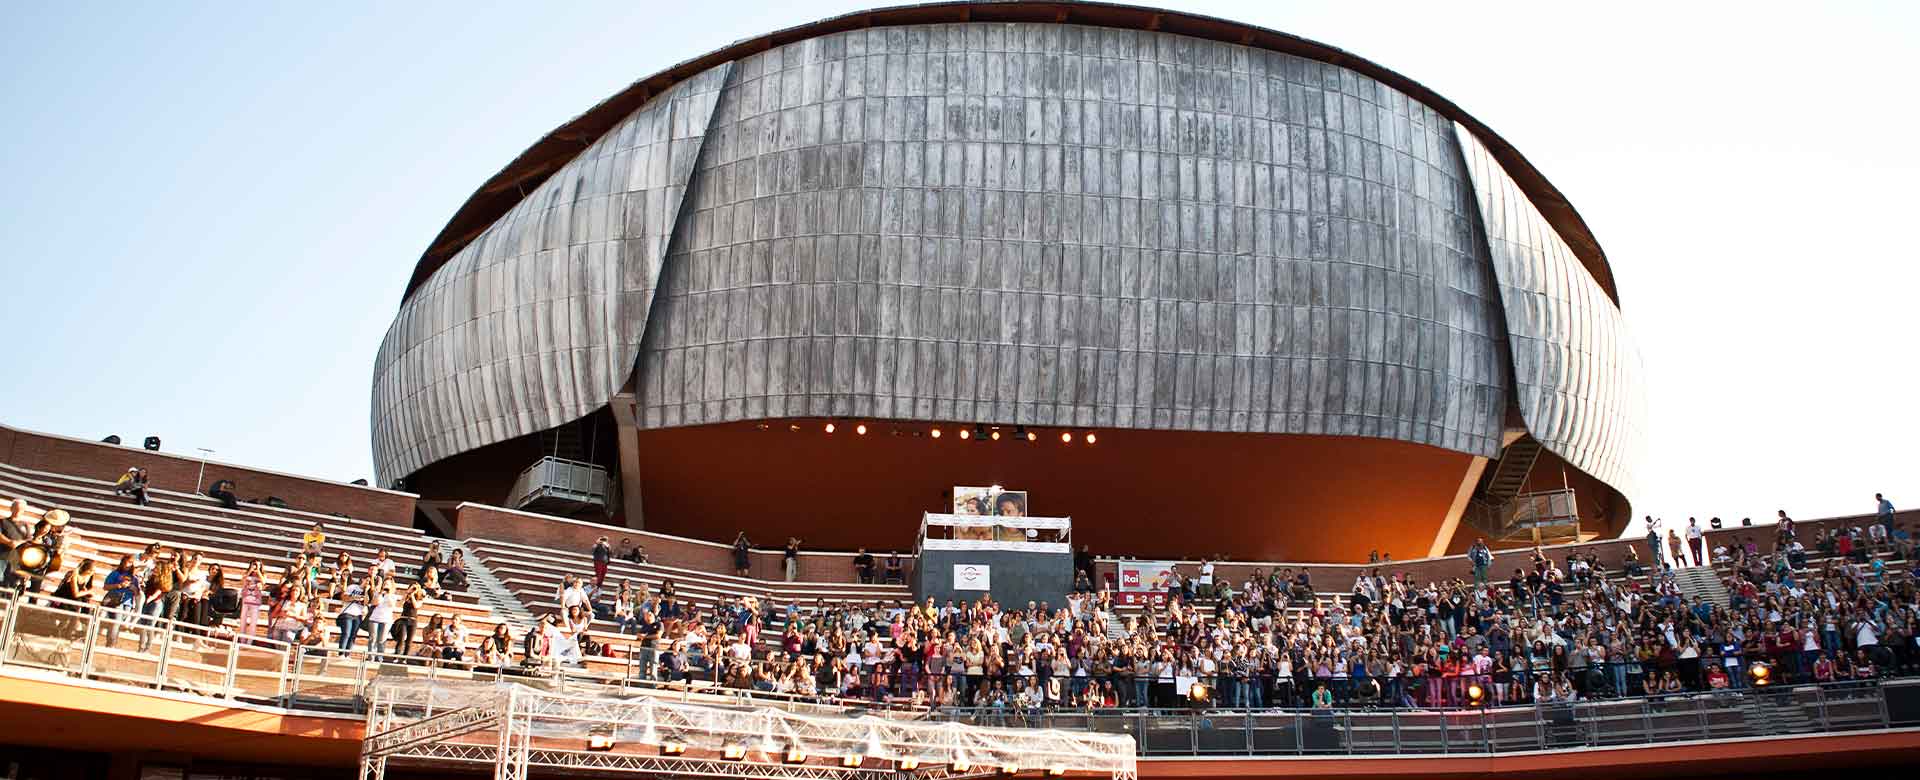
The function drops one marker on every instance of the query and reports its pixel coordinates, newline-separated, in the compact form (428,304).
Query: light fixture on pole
(204,452)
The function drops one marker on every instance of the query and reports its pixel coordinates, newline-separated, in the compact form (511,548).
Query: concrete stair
(491,592)
(1701,583)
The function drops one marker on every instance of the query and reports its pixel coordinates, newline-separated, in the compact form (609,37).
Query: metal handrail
(1750,712)
(47,632)
(589,481)
(73,636)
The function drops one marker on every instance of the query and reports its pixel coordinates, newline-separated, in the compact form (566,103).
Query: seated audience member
(222,490)
(863,565)
(896,570)
(134,484)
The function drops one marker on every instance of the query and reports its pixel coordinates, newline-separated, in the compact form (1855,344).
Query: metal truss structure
(517,728)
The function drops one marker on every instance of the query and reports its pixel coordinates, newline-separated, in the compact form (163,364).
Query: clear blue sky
(210,210)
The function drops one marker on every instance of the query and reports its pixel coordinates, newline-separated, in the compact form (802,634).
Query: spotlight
(1056,770)
(673,748)
(996,434)
(1066,437)
(1476,695)
(1199,693)
(31,557)
(906,764)
(935,433)
(966,434)
(794,427)
(600,739)
(1009,770)
(852,760)
(1761,673)
(734,752)
(794,755)
(1091,438)
(113,440)
(761,426)
(829,427)
(153,443)
(960,765)
(860,429)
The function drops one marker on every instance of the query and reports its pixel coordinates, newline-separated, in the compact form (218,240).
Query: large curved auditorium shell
(1308,307)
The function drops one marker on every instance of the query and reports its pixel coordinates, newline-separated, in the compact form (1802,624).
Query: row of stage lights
(980,432)
(602,739)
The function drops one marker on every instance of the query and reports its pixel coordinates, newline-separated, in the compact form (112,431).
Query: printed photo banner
(1144,582)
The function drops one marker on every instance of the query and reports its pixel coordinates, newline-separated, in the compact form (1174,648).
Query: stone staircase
(1701,583)
(493,593)
(1115,628)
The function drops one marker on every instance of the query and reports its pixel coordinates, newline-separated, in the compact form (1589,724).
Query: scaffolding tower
(515,729)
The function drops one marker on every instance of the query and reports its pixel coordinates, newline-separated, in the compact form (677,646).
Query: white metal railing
(571,480)
(113,645)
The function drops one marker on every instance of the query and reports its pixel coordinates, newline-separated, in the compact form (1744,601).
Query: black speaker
(153,443)
(361,482)
(276,502)
(113,440)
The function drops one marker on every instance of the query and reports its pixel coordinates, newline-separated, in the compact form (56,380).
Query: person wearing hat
(133,483)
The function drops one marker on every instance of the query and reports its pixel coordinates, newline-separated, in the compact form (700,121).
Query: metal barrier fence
(1770,711)
(120,646)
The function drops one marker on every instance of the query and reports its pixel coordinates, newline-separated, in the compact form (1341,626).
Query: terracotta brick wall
(94,460)
(488,522)
(1339,577)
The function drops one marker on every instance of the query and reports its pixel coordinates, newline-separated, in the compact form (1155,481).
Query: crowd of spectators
(1559,629)
(1564,627)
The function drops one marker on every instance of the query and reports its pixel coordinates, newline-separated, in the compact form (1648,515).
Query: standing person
(353,612)
(380,615)
(1694,540)
(252,594)
(742,555)
(122,596)
(1653,542)
(1482,560)
(1677,547)
(1881,505)
(602,556)
(792,558)
(409,614)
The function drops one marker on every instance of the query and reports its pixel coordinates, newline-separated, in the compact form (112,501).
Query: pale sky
(211,210)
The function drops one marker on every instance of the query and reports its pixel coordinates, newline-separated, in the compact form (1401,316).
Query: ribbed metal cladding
(1063,225)
(1576,368)
(538,321)
(1032,223)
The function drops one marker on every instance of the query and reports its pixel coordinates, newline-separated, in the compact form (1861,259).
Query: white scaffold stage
(517,729)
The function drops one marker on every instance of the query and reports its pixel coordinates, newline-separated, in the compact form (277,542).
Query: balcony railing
(107,645)
(560,486)
(1753,712)
(110,645)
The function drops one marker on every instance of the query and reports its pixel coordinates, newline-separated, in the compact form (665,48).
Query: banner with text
(972,576)
(1144,582)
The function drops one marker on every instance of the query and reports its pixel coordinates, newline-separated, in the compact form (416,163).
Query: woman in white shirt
(457,639)
(380,618)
